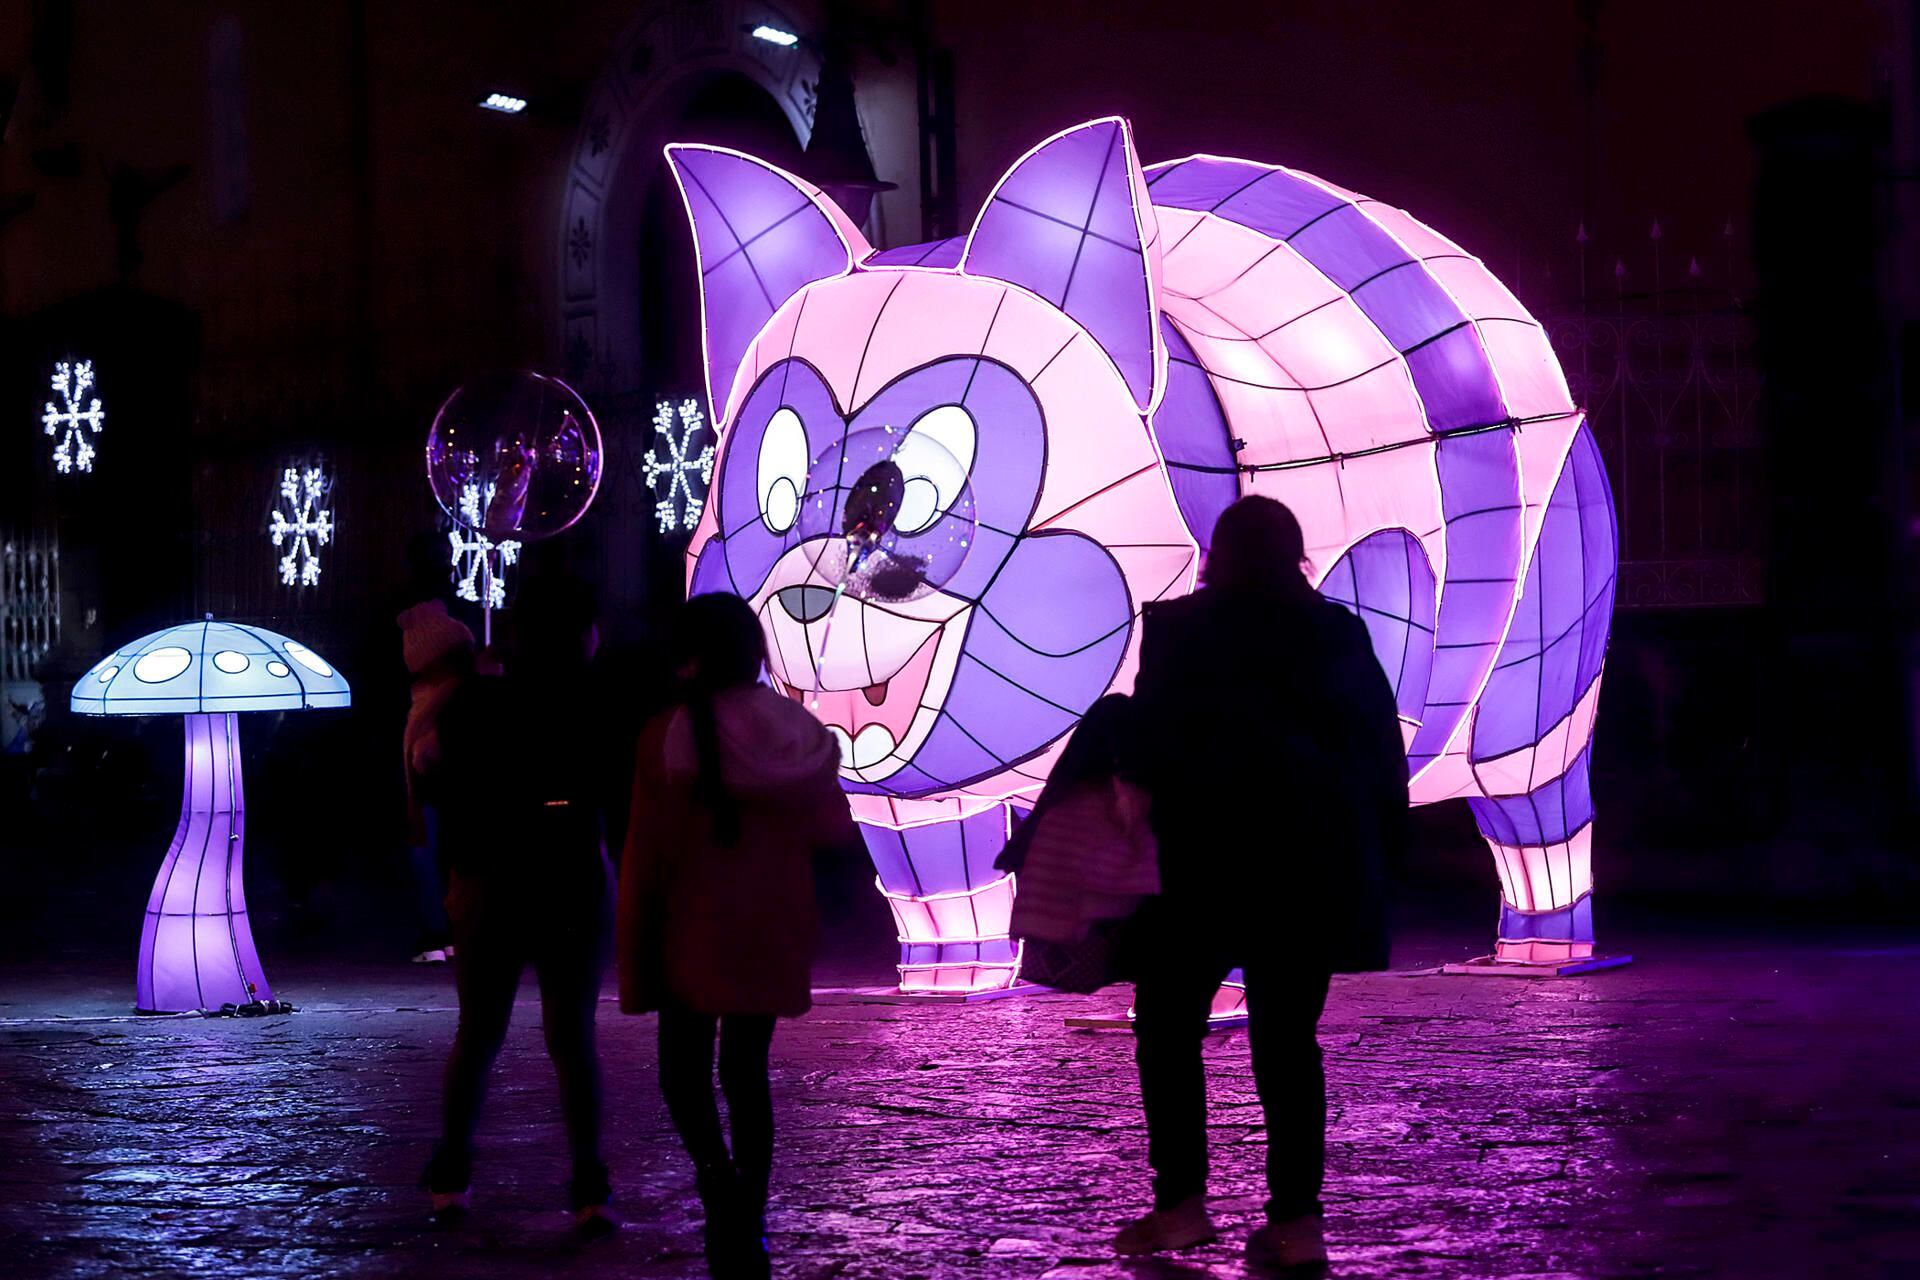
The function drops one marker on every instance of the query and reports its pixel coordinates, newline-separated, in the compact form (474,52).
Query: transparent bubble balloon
(515,455)
(907,522)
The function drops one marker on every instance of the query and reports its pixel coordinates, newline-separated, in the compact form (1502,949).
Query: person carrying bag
(1086,860)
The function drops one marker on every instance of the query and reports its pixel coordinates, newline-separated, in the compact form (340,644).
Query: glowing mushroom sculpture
(196,946)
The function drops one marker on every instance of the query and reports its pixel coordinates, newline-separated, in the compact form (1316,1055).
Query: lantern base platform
(1489,967)
(894,995)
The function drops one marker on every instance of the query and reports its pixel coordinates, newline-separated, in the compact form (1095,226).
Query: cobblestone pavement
(1734,1107)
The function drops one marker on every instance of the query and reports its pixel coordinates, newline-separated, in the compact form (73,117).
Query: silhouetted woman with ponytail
(735,788)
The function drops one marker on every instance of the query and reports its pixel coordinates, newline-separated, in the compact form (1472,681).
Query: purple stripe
(1278,204)
(940,857)
(1042,645)
(1195,439)
(998,952)
(1456,383)
(1549,814)
(1062,225)
(1386,580)
(1566,924)
(1555,647)
(1480,501)
(1408,305)
(1452,373)
(761,240)
(1349,247)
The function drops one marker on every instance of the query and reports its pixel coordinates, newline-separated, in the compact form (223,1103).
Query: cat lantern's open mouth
(879,711)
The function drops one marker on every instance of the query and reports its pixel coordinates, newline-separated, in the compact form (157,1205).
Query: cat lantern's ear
(1071,222)
(761,236)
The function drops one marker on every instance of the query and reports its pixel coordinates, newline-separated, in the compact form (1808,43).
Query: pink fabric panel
(1421,240)
(1225,352)
(1156,572)
(1580,862)
(1530,377)
(835,322)
(1480,295)
(1094,439)
(953,918)
(1533,868)
(1205,253)
(1028,332)
(1114,518)
(1542,450)
(1509,891)
(1376,408)
(1277,288)
(1543,878)
(1393,489)
(1350,197)
(1278,426)
(953,316)
(1328,345)
(890,811)
(1450,776)
(774,344)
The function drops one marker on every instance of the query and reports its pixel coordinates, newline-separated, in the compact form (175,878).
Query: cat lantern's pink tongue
(870,722)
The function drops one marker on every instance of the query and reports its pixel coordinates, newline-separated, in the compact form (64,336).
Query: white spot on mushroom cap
(308,658)
(162,664)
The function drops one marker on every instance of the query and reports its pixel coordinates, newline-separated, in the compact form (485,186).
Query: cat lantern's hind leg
(1533,728)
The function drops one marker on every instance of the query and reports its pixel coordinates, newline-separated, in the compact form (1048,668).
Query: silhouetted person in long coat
(1270,742)
(521,814)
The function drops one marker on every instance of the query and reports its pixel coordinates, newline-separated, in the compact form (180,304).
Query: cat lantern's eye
(934,458)
(782,473)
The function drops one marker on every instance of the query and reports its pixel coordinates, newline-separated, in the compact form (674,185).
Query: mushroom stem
(196,948)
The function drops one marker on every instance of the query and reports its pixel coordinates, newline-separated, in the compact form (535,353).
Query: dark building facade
(284,236)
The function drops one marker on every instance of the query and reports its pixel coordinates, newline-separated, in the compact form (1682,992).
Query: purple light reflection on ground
(1662,1119)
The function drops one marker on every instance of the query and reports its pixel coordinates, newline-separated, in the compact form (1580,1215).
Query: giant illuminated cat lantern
(950,476)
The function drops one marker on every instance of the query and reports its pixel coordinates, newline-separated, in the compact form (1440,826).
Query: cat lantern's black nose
(806,604)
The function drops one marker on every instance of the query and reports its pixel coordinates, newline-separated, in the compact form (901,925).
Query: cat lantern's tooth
(872,746)
(845,744)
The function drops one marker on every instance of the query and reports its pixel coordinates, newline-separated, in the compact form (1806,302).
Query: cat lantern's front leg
(951,906)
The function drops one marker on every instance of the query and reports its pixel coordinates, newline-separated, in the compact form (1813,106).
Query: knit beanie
(427,635)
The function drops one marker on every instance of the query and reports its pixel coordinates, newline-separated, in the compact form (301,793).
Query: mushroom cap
(209,666)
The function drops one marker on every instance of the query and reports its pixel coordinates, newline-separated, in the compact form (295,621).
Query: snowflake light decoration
(303,527)
(479,560)
(68,420)
(677,506)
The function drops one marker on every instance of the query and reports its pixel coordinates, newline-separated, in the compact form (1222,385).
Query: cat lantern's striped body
(1051,412)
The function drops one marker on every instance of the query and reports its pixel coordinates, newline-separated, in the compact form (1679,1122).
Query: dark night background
(285,233)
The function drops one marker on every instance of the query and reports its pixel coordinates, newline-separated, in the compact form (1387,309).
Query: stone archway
(666,54)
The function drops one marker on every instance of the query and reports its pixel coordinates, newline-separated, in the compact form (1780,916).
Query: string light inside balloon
(480,562)
(74,418)
(677,505)
(304,527)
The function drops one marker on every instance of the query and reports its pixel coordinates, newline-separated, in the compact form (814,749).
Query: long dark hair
(717,645)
